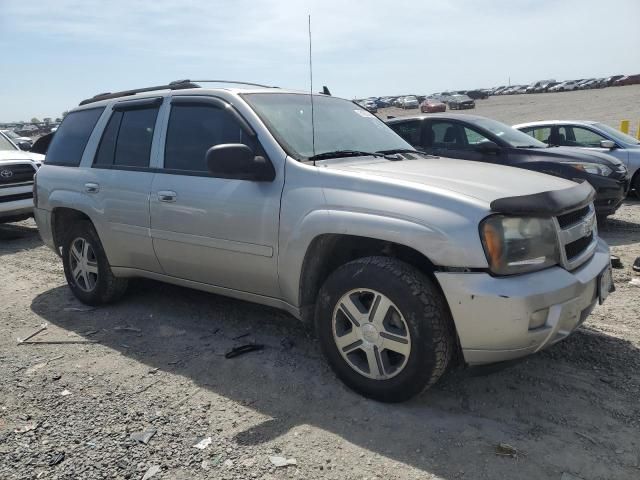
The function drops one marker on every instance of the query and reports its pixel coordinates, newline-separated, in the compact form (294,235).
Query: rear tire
(87,269)
(384,328)
(635,183)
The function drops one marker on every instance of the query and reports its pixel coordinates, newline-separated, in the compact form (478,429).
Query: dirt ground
(71,397)
(608,105)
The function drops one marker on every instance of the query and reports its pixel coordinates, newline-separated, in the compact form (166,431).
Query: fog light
(538,319)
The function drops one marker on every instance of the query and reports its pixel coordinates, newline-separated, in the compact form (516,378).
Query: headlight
(594,168)
(519,244)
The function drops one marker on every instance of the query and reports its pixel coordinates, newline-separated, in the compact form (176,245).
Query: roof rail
(175,85)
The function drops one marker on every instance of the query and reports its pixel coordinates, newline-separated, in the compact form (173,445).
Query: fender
(429,241)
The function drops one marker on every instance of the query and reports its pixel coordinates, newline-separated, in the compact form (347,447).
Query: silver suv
(405,264)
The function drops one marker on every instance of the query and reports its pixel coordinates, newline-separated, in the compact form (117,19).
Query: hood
(482,181)
(20,155)
(572,154)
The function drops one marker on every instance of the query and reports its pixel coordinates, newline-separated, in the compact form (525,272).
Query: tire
(94,284)
(635,183)
(416,322)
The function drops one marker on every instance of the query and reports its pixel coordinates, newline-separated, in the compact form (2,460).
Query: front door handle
(91,187)
(167,196)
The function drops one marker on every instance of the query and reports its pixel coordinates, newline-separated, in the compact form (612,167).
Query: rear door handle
(91,187)
(167,196)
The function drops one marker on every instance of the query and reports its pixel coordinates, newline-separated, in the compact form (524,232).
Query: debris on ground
(65,393)
(143,436)
(282,461)
(241,350)
(616,262)
(79,309)
(228,463)
(151,472)
(635,281)
(506,450)
(126,328)
(40,329)
(56,459)
(636,265)
(26,428)
(204,443)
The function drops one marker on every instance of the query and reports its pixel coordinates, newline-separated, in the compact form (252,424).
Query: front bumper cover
(492,314)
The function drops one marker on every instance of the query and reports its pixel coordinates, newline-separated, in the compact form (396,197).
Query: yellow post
(624,126)
(638,131)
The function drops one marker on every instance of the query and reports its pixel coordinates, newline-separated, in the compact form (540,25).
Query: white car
(593,135)
(565,86)
(17,169)
(409,102)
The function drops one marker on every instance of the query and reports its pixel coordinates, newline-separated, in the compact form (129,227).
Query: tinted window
(410,131)
(193,129)
(107,149)
(71,138)
(133,146)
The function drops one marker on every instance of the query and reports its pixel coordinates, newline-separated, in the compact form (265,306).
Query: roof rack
(175,85)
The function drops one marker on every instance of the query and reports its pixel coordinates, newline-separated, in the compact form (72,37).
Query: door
(120,183)
(453,139)
(218,231)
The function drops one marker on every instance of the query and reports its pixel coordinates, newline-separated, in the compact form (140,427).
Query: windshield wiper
(343,153)
(396,150)
(529,146)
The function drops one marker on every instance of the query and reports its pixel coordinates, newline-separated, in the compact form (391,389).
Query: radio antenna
(313,126)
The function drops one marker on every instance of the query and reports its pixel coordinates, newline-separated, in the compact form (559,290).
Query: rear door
(218,231)
(120,183)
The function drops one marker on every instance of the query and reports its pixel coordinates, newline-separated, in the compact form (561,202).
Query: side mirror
(488,147)
(237,161)
(607,144)
(24,145)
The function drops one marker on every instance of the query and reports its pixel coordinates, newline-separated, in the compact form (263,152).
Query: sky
(56,53)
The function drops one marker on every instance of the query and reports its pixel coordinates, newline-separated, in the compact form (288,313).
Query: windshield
(339,124)
(513,137)
(617,134)
(10,134)
(6,144)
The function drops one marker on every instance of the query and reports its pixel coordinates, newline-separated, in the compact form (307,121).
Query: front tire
(384,328)
(87,269)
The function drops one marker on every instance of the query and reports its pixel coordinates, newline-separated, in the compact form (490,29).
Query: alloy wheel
(371,334)
(84,264)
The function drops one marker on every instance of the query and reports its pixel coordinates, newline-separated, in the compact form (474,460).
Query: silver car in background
(592,135)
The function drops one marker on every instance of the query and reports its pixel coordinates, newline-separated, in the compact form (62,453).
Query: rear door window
(70,140)
(409,131)
(126,141)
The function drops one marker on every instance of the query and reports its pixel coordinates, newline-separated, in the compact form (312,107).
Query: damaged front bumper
(503,318)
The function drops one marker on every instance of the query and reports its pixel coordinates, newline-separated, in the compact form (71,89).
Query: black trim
(177,85)
(141,104)
(214,102)
(20,184)
(173,171)
(552,203)
(16,196)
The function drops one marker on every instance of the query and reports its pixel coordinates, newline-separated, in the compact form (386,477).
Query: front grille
(574,249)
(16,173)
(16,196)
(572,217)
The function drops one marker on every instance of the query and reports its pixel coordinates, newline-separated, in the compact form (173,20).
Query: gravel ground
(156,361)
(608,105)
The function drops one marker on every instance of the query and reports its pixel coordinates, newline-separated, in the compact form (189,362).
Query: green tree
(35,120)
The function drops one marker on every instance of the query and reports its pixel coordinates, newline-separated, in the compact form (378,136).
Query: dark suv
(471,137)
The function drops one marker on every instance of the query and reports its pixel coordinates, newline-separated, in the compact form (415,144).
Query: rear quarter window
(70,140)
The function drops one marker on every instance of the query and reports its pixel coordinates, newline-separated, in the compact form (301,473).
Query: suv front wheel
(87,269)
(384,328)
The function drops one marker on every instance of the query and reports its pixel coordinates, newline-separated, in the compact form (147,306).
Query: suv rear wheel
(86,267)
(384,328)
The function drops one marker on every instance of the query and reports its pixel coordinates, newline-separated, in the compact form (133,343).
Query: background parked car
(471,137)
(23,143)
(565,86)
(430,105)
(594,136)
(460,102)
(409,102)
(477,94)
(628,80)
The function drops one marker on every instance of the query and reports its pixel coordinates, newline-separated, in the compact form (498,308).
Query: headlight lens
(594,168)
(519,244)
